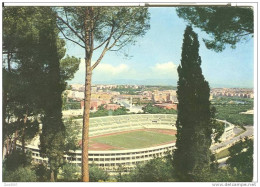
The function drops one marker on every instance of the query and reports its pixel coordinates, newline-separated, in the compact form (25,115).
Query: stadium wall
(110,160)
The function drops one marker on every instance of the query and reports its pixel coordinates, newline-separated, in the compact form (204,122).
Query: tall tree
(194,131)
(225,25)
(111,28)
(34,77)
(53,130)
(21,96)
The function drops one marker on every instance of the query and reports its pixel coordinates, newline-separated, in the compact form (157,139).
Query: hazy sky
(158,54)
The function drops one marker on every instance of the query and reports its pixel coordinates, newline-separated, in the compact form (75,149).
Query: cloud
(165,69)
(105,68)
(112,70)
(107,72)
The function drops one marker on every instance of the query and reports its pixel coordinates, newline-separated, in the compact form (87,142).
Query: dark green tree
(241,160)
(155,170)
(22,73)
(53,130)
(192,154)
(68,66)
(226,26)
(34,77)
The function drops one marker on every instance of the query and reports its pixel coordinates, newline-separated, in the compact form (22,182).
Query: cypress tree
(192,154)
(53,130)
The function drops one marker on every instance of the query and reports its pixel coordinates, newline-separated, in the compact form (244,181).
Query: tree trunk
(85,130)
(55,175)
(52,179)
(23,141)
(7,146)
(4,137)
(23,133)
(15,140)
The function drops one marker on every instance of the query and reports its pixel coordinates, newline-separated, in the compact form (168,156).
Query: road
(249,131)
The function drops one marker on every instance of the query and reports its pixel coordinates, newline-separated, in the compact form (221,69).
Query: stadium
(126,140)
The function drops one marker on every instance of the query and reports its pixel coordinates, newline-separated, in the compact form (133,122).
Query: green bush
(21,174)
(42,173)
(16,159)
(70,172)
(150,109)
(97,174)
(155,170)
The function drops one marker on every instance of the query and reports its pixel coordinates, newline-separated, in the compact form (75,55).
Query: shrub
(21,174)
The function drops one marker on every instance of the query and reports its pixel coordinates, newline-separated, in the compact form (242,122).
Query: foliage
(53,131)
(150,109)
(154,170)
(26,34)
(225,25)
(21,174)
(70,172)
(222,154)
(219,175)
(159,87)
(121,24)
(228,109)
(71,105)
(68,67)
(17,159)
(42,172)
(72,133)
(219,127)
(96,174)
(103,112)
(128,91)
(241,159)
(33,80)
(192,154)
(23,71)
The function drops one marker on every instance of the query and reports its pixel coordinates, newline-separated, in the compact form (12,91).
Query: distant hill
(164,82)
(154,82)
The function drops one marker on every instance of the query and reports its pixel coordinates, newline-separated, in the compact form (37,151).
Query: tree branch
(240,35)
(69,38)
(104,50)
(116,40)
(108,38)
(67,24)
(99,59)
(121,45)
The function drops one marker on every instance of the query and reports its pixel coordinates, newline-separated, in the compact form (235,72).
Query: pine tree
(193,123)
(34,77)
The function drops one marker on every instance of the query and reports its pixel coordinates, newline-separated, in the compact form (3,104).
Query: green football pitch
(134,139)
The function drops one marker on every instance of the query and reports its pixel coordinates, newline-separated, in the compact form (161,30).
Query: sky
(155,57)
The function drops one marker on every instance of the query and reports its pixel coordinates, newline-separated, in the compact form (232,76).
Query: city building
(160,97)
(167,105)
(112,106)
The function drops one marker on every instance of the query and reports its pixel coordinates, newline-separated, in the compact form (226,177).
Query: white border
(165,3)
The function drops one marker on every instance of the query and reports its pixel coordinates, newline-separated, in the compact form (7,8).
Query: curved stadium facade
(111,159)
